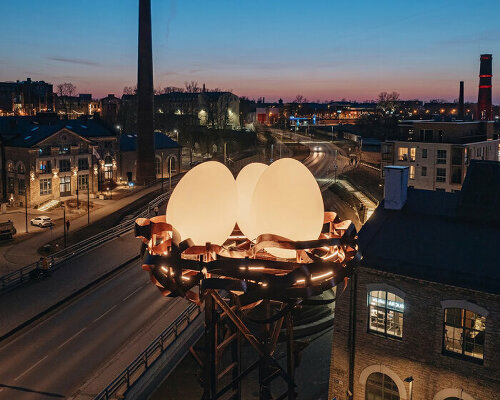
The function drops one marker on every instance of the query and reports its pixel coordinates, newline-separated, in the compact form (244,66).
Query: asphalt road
(54,357)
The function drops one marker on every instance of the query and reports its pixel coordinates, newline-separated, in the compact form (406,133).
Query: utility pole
(64,223)
(170,173)
(88,203)
(26,203)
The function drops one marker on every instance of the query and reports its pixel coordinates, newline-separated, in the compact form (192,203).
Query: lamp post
(88,203)
(177,133)
(162,171)
(64,223)
(26,204)
(410,381)
(170,173)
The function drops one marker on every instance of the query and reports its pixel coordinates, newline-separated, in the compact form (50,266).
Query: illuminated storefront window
(385,313)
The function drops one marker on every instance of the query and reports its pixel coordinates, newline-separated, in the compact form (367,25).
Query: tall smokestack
(145,168)
(461,114)
(484,109)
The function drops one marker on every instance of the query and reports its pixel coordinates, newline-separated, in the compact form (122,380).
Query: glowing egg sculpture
(203,205)
(284,253)
(287,202)
(245,183)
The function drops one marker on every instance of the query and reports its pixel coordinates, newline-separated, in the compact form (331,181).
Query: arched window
(10,166)
(452,394)
(20,168)
(463,333)
(380,386)
(386,313)
(171,163)
(158,166)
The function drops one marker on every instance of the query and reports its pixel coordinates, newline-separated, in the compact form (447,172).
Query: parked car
(7,230)
(42,221)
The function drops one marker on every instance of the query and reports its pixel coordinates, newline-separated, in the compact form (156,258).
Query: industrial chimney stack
(484,108)
(461,114)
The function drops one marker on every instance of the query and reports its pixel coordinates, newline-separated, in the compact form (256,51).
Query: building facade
(167,157)
(26,97)
(55,160)
(420,318)
(439,153)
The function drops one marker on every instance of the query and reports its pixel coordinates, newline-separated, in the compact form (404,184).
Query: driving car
(42,221)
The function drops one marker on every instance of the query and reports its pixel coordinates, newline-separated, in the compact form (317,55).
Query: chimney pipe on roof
(461,114)
(395,187)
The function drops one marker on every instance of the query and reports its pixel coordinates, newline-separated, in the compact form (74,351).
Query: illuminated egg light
(245,183)
(203,205)
(287,202)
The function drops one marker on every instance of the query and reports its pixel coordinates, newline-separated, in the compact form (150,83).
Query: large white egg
(203,205)
(245,184)
(287,201)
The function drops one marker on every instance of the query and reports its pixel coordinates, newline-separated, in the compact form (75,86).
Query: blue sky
(321,49)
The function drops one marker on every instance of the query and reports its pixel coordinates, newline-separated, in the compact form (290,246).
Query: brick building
(420,318)
(438,153)
(44,160)
(167,157)
(26,97)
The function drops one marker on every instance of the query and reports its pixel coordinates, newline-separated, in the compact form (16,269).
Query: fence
(140,365)
(18,277)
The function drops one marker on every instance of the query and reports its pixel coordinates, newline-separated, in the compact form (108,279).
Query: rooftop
(128,142)
(28,131)
(449,238)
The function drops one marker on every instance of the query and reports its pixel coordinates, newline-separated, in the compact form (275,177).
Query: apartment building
(438,154)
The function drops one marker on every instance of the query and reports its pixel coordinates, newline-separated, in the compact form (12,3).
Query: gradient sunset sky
(320,49)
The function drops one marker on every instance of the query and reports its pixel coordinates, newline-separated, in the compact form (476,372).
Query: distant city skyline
(323,50)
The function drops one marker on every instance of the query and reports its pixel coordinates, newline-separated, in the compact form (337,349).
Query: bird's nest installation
(229,245)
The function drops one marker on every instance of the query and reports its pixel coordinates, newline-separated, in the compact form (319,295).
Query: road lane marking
(30,368)
(72,337)
(102,315)
(134,292)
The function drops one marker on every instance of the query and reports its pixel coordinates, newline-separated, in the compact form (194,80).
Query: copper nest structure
(229,281)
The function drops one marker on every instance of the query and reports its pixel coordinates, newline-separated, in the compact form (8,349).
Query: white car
(42,221)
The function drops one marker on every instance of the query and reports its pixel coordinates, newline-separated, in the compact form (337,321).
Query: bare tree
(299,99)
(173,89)
(192,87)
(387,101)
(130,90)
(66,91)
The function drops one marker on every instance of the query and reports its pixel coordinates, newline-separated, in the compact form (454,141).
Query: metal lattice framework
(231,279)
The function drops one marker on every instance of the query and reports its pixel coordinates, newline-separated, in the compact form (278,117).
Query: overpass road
(54,357)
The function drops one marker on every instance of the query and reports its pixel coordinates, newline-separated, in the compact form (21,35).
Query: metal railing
(18,277)
(134,371)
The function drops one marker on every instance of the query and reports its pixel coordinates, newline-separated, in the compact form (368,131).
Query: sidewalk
(26,251)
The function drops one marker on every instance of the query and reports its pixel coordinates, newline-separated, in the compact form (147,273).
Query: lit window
(45,167)
(10,166)
(403,154)
(412,172)
(413,153)
(440,174)
(386,313)
(45,186)
(83,182)
(464,333)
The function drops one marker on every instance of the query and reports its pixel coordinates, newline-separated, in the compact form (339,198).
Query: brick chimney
(396,187)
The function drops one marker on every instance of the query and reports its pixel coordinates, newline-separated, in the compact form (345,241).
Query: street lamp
(177,133)
(410,381)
